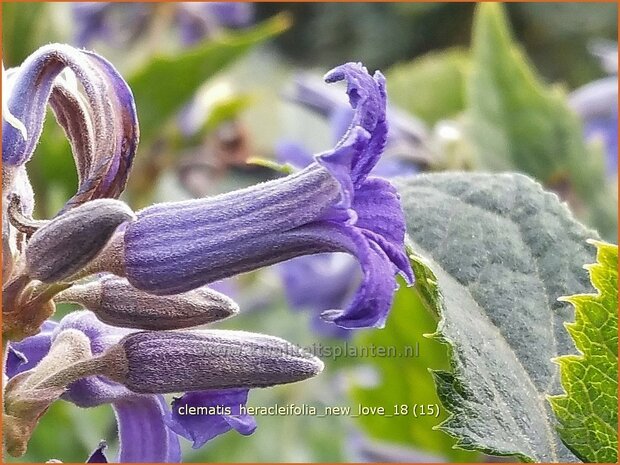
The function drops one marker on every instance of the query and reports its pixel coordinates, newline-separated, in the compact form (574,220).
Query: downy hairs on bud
(70,241)
(116,302)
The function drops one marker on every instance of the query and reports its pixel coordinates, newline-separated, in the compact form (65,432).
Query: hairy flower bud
(118,303)
(70,241)
(164,362)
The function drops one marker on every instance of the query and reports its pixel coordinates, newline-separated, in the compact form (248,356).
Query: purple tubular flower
(330,206)
(219,412)
(101,124)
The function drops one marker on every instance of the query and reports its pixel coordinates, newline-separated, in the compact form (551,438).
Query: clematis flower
(118,24)
(597,105)
(330,206)
(323,282)
(169,250)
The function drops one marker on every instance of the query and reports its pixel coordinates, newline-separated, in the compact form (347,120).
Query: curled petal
(101,124)
(217,412)
(368,99)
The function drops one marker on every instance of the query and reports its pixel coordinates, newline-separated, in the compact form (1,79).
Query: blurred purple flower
(318,283)
(597,105)
(120,23)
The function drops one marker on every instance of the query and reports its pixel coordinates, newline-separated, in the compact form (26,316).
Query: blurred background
(230,95)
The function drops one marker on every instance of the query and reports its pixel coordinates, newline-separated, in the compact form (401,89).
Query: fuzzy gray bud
(116,302)
(70,241)
(174,361)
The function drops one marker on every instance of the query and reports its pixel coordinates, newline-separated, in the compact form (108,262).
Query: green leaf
(407,381)
(166,83)
(588,412)
(501,251)
(431,87)
(515,122)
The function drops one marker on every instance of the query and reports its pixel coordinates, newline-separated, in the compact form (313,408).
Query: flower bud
(70,241)
(118,303)
(174,361)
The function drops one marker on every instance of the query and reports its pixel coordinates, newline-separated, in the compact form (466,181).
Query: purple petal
(26,354)
(202,427)
(89,19)
(199,20)
(101,125)
(382,219)
(232,14)
(144,437)
(373,299)
(368,98)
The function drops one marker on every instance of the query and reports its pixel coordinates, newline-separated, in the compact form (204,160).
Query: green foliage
(164,84)
(501,251)
(515,122)
(407,381)
(431,87)
(588,412)
(25,27)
